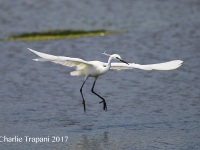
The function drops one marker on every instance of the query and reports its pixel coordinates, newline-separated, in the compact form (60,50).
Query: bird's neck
(109,62)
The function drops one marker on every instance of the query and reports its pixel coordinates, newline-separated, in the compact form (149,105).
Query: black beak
(123,61)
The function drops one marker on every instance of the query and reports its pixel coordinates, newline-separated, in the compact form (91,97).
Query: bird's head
(115,56)
(118,57)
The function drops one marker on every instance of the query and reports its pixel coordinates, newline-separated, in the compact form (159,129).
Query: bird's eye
(117,57)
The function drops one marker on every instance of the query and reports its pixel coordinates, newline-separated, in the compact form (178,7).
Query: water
(146,109)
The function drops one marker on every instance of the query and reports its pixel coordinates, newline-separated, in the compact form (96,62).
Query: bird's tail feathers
(75,73)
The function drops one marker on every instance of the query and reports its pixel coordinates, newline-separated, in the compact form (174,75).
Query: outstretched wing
(66,61)
(170,65)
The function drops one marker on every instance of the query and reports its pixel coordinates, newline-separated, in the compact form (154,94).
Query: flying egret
(96,68)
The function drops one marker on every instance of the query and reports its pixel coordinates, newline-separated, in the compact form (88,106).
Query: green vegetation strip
(58,34)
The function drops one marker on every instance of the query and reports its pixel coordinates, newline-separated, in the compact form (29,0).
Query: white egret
(97,68)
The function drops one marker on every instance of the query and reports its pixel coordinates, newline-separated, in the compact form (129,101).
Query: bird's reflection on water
(96,142)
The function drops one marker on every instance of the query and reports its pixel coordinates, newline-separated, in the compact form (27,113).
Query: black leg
(103,100)
(82,96)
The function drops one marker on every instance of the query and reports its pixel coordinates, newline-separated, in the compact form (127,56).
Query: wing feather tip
(30,49)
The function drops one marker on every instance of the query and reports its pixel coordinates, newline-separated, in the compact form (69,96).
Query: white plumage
(170,65)
(97,68)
